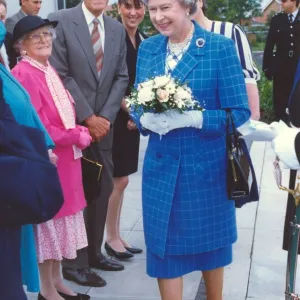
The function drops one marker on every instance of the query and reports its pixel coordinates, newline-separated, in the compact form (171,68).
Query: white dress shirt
(294,14)
(89,17)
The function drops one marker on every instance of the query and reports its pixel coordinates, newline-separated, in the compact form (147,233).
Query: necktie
(97,46)
(291,19)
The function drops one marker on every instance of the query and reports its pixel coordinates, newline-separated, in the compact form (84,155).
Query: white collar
(89,17)
(294,14)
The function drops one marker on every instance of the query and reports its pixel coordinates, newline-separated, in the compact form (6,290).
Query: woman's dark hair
(204,8)
(136,3)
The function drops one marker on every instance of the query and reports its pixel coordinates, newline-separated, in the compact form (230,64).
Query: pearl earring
(23,52)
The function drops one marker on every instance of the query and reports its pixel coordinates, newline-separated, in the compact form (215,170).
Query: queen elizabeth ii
(189,221)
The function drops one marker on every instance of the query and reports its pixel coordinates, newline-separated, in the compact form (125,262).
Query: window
(67,3)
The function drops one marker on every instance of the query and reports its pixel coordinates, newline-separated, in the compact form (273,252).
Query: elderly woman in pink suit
(65,234)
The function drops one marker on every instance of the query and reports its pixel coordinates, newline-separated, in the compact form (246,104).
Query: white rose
(162,95)
(171,87)
(147,84)
(161,81)
(182,94)
(145,95)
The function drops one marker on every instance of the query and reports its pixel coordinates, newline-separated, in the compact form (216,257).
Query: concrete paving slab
(133,199)
(133,283)
(246,216)
(242,249)
(236,279)
(139,225)
(129,218)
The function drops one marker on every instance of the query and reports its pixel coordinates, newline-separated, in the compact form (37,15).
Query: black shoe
(40,297)
(106,264)
(134,250)
(120,255)
(85,277)
(77,297)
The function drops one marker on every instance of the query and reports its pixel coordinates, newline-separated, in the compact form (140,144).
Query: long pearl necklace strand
(178,48)
(175,51)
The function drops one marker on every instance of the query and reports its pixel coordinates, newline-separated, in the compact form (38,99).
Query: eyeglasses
(38,37)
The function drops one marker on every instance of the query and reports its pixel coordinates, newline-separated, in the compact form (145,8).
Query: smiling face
(96,7)
(132,13)
(38,44)
(169,17)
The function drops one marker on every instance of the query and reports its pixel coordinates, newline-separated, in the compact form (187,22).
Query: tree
(234,11)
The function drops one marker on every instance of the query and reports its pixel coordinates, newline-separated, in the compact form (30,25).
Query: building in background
(269,8)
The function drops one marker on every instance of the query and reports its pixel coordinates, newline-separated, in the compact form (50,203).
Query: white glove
(257,131)
(284,146)
(170,120)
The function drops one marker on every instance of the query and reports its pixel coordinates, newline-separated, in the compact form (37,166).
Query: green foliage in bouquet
(265,88)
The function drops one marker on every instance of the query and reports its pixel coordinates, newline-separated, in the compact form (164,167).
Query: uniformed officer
(281,55)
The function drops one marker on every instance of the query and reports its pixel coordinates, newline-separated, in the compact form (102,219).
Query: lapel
(83,35)
(108,46)
(189,60)
(297,19)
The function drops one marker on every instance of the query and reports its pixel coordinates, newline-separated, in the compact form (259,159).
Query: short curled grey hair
(191,4)
(19,43)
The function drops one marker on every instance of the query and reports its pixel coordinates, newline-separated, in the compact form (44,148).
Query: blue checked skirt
(173,266)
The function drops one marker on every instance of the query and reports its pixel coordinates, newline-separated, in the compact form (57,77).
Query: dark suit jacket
(285,38)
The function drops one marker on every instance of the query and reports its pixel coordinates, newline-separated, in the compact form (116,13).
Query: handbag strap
(232,136)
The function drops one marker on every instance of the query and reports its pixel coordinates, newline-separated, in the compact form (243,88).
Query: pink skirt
(60,238)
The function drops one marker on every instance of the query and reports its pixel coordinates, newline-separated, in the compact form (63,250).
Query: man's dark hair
(204,8)
(297,2)
(20,2)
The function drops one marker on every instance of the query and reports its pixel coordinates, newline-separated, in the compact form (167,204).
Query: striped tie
(97,46)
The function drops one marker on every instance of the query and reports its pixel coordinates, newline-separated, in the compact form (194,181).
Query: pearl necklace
(180,47)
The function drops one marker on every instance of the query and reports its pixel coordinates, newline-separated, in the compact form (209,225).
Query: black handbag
(30,191)
(238,164)
(91,175)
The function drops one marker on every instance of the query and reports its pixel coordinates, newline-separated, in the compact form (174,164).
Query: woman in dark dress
(126,141)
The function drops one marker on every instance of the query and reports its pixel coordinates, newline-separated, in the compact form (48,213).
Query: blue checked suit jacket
(185,206)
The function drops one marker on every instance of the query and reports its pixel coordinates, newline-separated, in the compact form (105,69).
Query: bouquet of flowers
(160,94)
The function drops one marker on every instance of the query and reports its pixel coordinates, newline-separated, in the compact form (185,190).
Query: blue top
(185,205)
(19,101)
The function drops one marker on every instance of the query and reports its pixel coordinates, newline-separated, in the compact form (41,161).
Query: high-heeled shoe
(77,297)
(134,250)
(120,255)
(40,297)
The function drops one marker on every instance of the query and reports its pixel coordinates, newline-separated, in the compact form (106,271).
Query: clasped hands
(162,123)
(98,127)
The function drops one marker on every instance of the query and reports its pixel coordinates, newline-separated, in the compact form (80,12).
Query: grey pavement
(258,269)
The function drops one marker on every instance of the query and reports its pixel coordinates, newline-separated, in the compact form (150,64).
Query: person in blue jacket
(14,241)
(189,222)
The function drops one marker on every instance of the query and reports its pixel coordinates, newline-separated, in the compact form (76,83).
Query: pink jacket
(69,169)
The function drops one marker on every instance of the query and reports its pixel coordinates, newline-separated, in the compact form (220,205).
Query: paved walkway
(258,270)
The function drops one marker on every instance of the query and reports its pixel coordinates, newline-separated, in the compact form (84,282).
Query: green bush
(265,88)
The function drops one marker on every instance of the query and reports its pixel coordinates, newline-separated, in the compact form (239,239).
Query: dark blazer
(285,38)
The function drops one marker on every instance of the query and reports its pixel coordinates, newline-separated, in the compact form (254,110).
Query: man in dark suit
(280,65)
(89,54)
(28,7)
